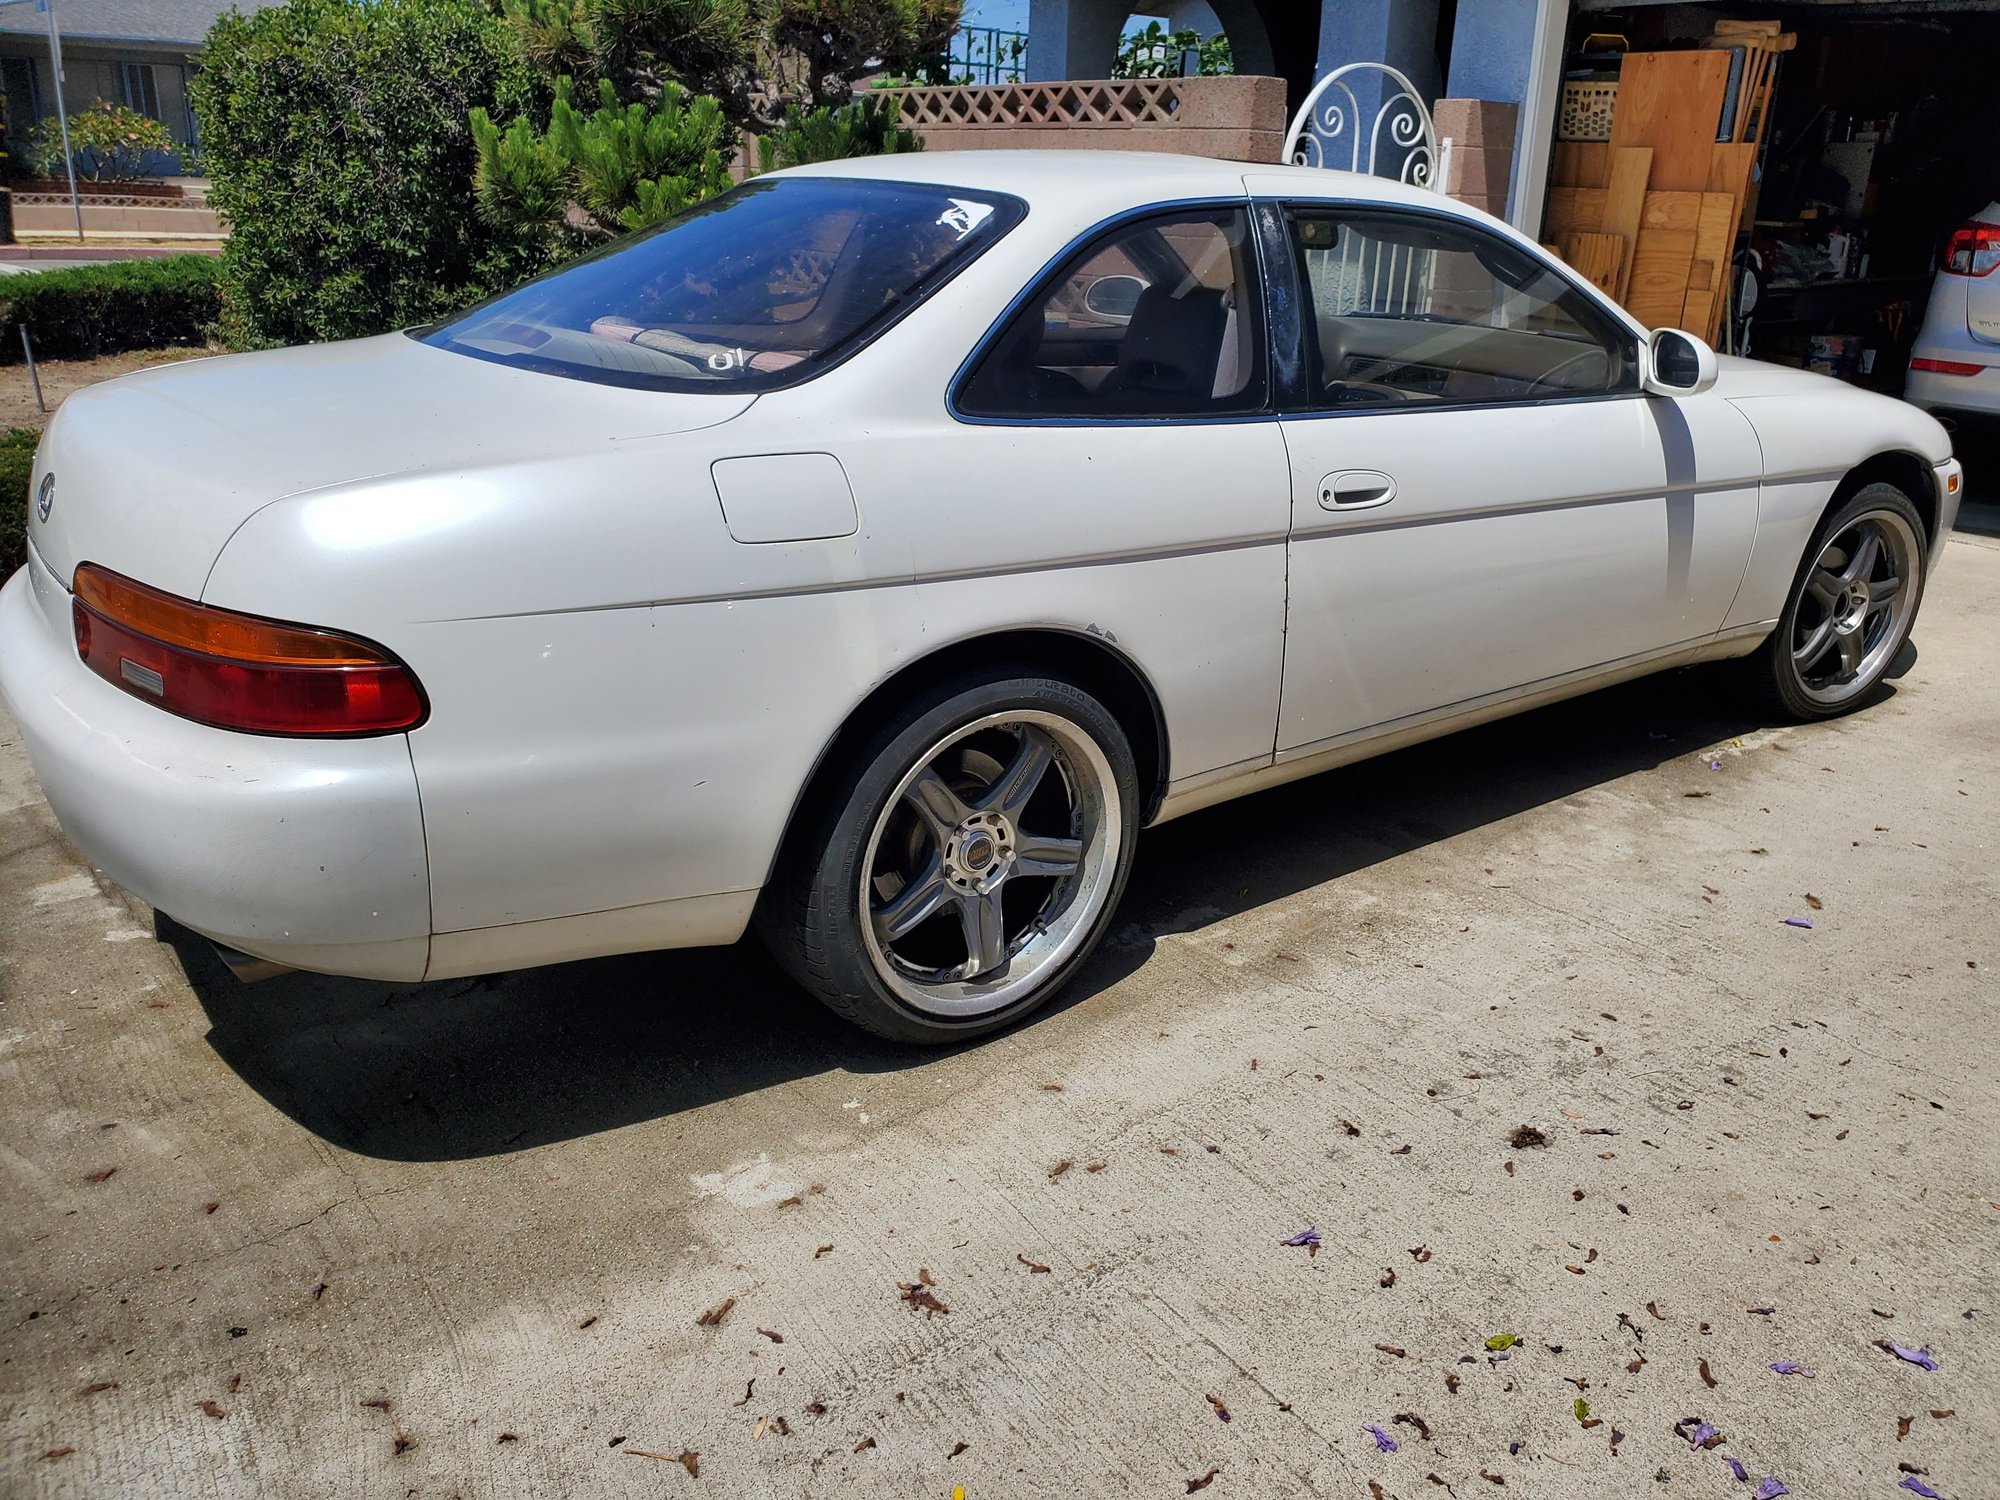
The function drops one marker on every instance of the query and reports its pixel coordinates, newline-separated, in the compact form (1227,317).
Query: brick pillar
(1476,150)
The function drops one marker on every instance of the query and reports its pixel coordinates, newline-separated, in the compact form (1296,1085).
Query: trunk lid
(155,471)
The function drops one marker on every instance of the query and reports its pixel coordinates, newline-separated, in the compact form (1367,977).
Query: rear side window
(1156,319)
(761,287)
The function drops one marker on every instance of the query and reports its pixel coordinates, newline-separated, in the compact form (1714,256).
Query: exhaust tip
(247,967)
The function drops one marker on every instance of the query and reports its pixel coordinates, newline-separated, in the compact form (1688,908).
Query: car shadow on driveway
(476,1067)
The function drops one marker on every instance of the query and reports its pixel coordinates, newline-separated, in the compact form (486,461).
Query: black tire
(1774,673)
(811,915)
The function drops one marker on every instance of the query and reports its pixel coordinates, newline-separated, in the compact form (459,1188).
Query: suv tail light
(1972,250)
(237,671)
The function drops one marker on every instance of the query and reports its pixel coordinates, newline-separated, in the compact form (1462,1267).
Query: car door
(1482,498)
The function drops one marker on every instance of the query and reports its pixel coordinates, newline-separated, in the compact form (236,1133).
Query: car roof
(1097,182)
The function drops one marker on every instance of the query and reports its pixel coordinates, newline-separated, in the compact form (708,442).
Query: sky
(1007,15)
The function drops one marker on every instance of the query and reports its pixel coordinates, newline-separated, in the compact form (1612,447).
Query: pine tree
(867,127)
(757,57)
(587,177)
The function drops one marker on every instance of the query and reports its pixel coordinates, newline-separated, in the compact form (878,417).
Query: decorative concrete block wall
(1238,118)
(116,215)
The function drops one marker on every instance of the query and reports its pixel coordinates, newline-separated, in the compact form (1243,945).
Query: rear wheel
(969,864)
(1851,607)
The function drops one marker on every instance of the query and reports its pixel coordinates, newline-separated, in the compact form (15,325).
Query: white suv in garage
(1955,367)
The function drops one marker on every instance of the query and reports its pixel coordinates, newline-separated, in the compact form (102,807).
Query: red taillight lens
(1945,366)
(237,671)
(1972,250)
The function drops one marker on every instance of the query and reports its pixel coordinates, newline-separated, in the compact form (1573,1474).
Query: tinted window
(1157,319)
(759,287)
(1407,308)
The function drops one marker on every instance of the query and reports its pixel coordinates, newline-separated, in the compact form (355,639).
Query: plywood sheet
(1625,201)
(1670,211)
(1729,170)
(1698,315)
(1657,287)
(1575,208)
(1597,258)
(1714,246)
(1672,102)
(1580,164)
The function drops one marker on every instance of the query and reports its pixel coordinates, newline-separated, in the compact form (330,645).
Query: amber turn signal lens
(238,671)
(173,621)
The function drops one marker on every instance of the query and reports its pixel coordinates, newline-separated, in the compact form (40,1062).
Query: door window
(1415,309)
(1157,319)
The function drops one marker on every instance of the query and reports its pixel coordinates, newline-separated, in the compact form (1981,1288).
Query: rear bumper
(1955,397)
(306,852)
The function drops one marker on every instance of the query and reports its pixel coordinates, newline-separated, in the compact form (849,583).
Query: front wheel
(971,865)
(1851,607)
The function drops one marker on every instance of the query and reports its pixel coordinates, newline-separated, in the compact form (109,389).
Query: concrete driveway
(658,1226)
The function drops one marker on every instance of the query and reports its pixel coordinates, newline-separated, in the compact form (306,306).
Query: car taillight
(1972,250)
(237,671)
(1946,366)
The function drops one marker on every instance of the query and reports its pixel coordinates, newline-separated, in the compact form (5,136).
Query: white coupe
(873,551)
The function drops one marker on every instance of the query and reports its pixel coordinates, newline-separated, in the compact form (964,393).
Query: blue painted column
(1401,33)
(1511,51)
(1074,38)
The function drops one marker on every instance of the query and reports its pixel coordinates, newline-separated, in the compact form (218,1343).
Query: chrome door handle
(1356,489)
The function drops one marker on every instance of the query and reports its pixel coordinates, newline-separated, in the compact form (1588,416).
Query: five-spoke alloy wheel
(1851,606)
(982,844)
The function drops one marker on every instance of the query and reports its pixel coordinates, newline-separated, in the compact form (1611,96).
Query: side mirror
(1677,364)
(1113,297)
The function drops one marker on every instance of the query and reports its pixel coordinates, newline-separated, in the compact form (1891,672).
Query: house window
(23,101)
(138,88)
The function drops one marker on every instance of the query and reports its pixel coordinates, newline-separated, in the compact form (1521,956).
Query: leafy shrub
(1154,53)
(589,177)
(108,142)
(340,152)
(17,465)
(86,311)
(867,127)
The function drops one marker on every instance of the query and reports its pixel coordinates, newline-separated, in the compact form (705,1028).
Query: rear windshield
(761,287)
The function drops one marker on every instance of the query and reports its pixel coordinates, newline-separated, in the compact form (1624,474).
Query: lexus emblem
(45,498)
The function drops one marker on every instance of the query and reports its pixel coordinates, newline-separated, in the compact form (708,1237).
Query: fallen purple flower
(1383,1442)
(1736,1467)
(1770,1489)
(1918,1487)
(1698,1433)
(1715,765)
(1798,921)
(1793,1367)
(1763,1312)
(1914,1356)
(1303,1237)
(1400,1151)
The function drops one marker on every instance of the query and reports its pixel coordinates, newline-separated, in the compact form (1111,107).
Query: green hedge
(337,138)
(17,464)
(86,311)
